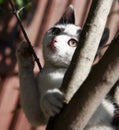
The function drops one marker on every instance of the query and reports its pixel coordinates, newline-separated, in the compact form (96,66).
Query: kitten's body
(57,54)
(42,98)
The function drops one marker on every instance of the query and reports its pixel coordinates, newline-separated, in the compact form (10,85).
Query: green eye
(55,31)
(72,42)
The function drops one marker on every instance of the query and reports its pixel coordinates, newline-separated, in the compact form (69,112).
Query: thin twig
(25,34)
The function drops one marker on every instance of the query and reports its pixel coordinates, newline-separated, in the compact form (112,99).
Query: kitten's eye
(72,42)
(55,31)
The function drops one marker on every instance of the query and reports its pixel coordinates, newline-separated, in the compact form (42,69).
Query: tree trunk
(85,53)
(88,95)
(103,76)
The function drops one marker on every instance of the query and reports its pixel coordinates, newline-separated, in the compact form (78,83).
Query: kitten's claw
(52,102)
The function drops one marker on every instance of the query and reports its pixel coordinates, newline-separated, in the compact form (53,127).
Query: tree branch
(85,53)
(25,34)
(101,79)
(81,64)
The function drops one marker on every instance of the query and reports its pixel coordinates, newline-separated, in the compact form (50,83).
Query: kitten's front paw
(52,102)
(24,50)
(24,55)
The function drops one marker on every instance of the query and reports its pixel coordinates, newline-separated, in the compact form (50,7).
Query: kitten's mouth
(52,47)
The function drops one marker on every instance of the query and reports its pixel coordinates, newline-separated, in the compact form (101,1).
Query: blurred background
(37,17)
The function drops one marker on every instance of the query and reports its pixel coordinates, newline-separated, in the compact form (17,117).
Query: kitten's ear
(68,17)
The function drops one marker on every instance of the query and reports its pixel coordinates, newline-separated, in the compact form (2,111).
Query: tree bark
(103,76)
(79,70)
(85,53)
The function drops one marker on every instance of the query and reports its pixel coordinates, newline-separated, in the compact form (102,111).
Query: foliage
(21,3)
(23,6)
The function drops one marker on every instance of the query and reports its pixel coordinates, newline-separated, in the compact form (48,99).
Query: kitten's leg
(28,86)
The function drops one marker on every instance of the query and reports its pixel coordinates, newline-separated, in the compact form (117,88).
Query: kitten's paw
(23,50)
(24,55)
(52,102)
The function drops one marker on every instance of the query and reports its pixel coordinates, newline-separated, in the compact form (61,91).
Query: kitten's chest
(49,79)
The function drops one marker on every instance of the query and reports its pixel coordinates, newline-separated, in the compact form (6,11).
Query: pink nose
(52,42)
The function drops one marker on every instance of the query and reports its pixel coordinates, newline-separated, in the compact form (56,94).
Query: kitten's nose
(52,42)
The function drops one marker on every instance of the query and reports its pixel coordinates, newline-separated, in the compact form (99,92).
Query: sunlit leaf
(21,3)
(23,7)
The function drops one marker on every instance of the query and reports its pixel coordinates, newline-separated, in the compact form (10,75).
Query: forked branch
(84,103)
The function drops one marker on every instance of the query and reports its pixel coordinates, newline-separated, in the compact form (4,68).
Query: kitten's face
(61,41)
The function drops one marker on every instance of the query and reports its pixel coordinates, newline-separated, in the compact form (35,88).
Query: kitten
(40,95)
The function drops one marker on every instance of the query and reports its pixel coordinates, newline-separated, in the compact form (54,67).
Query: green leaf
(21,3)
(23,7)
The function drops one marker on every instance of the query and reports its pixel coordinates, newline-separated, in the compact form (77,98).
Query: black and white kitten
(40,95)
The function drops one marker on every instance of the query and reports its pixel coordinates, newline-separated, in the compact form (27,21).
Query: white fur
(45,98)
(51,98)
(102,118)
(52,102)
(70,29)
(64,52)
(56,63)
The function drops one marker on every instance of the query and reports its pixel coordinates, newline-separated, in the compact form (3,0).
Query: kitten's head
(61,40)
